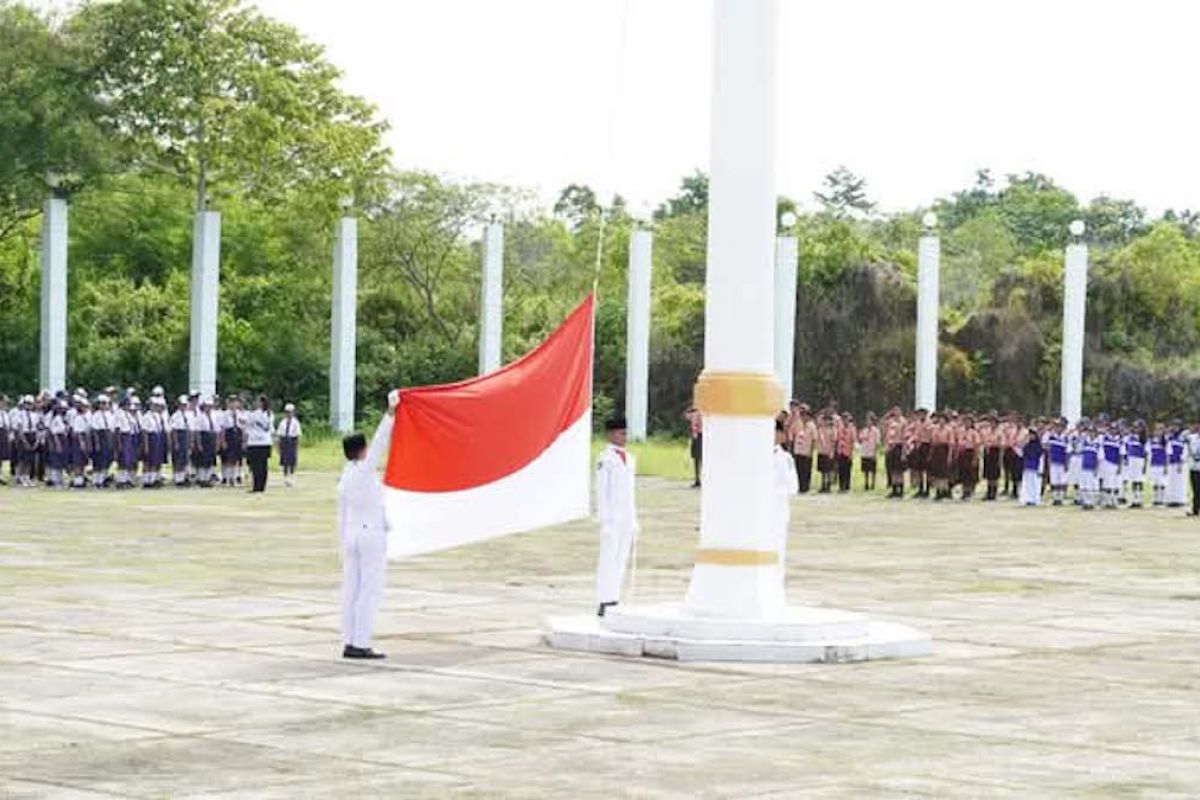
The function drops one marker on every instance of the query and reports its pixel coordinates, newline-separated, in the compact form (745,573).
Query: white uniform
(180,420)
(103,422)
(787,486)
(363,530)
(616,509)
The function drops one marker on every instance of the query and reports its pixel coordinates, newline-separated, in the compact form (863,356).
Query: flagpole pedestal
(800,634)
(735,608)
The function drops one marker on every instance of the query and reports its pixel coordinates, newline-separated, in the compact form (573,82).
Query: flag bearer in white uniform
(616,509)
(363,531)
(787,485)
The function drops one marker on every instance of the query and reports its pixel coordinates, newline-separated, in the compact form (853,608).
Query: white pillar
(344,332)
(52,373)
(737,572)
(787,256)
(928,268)
(206,282)
(1074,313)
(637,334)
(491,313)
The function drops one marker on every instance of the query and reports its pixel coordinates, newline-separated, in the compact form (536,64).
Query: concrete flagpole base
(802,634)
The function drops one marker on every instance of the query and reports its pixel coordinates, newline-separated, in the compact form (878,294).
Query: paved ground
(172,645)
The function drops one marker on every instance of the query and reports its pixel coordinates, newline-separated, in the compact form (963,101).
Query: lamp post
(1075,269)
(491,311)
(344,319)
(206,285)
(787,255)
(52,367)
(928,268)
(637,332)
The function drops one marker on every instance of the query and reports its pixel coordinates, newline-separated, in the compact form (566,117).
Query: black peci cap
(616,424)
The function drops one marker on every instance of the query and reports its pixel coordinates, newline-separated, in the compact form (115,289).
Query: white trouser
(1058,474)
(1089,484)
(364,566)
(1031,487)
(1176,485)
(615,545)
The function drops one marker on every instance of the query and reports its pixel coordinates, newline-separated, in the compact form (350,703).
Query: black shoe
(361,653)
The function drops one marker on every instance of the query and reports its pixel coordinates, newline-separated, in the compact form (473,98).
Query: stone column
(787,256)
(1074,314)
(344,332)
(637,335)
(491,312)
(737,572)
(52,372)
(206,283)
(928,268)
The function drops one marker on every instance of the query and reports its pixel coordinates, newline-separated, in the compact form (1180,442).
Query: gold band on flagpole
(739,394)
(737,558)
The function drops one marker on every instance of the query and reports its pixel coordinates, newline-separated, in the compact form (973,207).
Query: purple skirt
(156,451)
(77,457)
(233,451)
(181,450)
(288,448)
(56,451)
(127,451)
(102,451)
(205,454)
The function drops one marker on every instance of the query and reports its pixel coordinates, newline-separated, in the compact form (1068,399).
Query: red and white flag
(502,453)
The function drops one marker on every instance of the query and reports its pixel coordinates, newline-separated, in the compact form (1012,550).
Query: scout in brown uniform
(893,444)
(826,451)
(696,435)
(918,463)
(803,435)
(990,440)
(846,438)
(868,450)
(969,440)
(939,457)
(1014,445)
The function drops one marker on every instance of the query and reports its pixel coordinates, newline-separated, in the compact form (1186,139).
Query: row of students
(1105,463)
(77,441)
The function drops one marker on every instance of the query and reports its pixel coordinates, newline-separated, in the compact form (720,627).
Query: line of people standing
(114,440)
(1101,463)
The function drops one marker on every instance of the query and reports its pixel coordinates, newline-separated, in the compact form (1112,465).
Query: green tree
(1037,211)
(1112,222)
(691,198)
(228,100)
(844,194)
(576,203)
(46,114)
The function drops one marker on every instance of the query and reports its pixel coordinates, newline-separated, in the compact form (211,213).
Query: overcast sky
(912,94)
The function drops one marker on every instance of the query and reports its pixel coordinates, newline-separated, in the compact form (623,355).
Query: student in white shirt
(288,434)
(80,442)
(155,445)
(103,447)
(181,442)
(259,426)
(232,442)
(5,438)
(362,529)
(129,441)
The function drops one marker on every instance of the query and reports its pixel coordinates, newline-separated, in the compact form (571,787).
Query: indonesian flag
(503,453)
